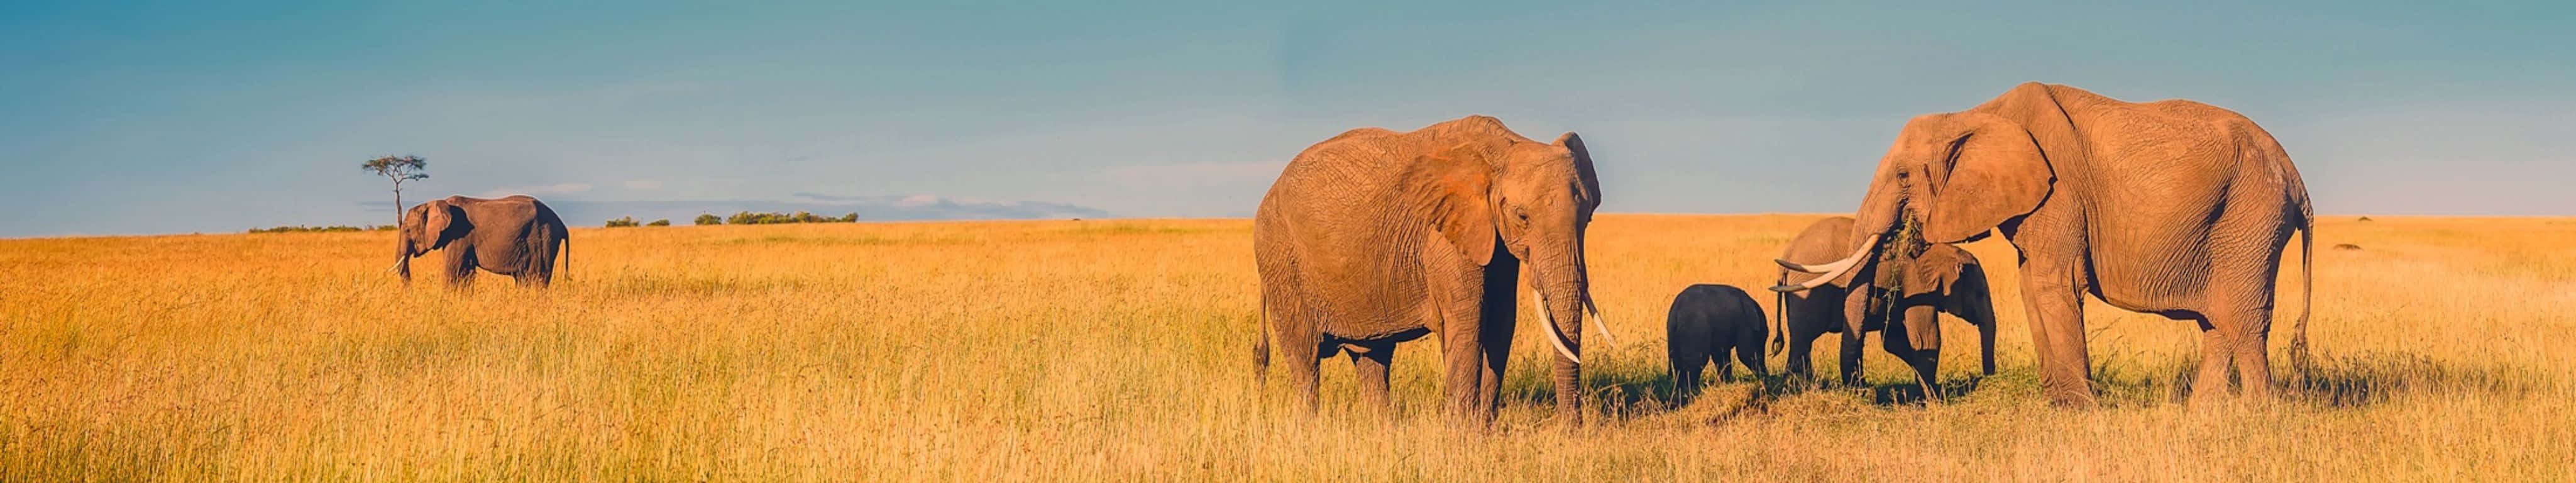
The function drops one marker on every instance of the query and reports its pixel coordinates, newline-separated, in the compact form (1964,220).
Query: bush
(660,222)
(706,219)
(622,222)
(750,218)
(321,229)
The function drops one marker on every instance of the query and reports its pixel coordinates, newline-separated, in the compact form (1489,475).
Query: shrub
(622,222)
(660,222)
(321,229)
(750,218)
(707,219)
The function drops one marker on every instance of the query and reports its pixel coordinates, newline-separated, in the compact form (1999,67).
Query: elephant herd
(2174,208)
(1376,237)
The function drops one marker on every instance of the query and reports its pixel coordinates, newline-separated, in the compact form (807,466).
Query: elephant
(2174,208)
(1941,279)
(516,236)
(1376,237)
(1706,322)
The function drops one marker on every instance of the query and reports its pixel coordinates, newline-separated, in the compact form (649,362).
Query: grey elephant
(1706,323)
(2174,208)
(1377,237)
(1914,288)
(516,236)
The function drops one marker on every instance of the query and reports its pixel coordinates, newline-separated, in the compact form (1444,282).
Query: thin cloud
(552,189)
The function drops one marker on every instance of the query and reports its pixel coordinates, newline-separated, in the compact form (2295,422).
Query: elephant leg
(1300,352)
(1463,354)
(460,266)
(1751,355)
(1686,376)
(2217,352)
(1497,341)
(1986,346)
(1924,356)
(2253,337)
(1850,358)
(1802,345)
(2053,295)
(1856,314)
(1371,361)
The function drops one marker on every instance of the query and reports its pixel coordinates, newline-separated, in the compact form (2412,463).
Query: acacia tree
(400,169)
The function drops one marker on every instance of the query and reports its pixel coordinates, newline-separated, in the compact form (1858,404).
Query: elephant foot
(2075,399)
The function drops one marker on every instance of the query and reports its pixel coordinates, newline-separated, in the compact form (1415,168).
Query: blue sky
(161,117)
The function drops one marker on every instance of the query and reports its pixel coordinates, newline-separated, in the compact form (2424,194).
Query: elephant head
(1949,178)
(1534,199)
(428,226)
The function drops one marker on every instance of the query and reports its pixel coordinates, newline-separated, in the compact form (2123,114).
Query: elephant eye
(1521,213)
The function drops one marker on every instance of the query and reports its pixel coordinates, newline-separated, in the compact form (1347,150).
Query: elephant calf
(1707,321)
(1942,278)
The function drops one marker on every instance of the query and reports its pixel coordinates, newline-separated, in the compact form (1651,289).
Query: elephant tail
(1779,318)
(1261,349)
(2300,360)
(566,246)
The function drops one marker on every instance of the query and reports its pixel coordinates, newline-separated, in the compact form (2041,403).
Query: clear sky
(159,117)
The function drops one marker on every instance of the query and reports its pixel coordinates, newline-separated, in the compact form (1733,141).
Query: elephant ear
(1935,272)
(438,218)
(1453,189)
(1992,171)
(1582,167)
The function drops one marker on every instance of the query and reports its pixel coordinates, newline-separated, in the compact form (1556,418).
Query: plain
(1121,349)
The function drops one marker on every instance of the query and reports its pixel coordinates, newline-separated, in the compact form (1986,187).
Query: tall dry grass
(1082,350)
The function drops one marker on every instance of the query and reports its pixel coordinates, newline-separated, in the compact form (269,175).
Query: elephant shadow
(1624,392)
(1908,393)
(2369,379)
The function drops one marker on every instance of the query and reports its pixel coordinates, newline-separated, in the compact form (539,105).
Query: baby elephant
(1706,321)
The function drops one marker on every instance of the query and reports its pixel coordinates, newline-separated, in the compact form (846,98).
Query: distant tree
(709,219)
(853,217)
(622,222)
(399,169)
(660,222)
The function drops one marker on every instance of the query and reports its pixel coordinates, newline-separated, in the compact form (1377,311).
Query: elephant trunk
(402,258)
(1880,213)
(1563,295)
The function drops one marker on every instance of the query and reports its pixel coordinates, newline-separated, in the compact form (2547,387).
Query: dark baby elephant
(1706,322)
(516,236)
(1917,287)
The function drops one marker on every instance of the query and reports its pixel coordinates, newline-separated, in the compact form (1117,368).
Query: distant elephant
(1705,324)
(516,236)
(2174,208)
(1376,237)
(1940,279)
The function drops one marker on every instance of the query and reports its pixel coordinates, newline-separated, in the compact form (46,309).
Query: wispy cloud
(643,184)
(869,208)
(552,189)
(1195,175)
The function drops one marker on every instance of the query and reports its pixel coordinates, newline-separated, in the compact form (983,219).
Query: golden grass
(1081,350)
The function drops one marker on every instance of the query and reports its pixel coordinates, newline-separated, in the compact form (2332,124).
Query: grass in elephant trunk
(1118,350)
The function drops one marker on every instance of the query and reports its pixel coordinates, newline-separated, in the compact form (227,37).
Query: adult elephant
(1376,237)
(2174,207)
(1917,286)
(516,236)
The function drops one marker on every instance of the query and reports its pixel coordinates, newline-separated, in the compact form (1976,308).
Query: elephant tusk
(1593,310)
(1556,335)
(1833,270)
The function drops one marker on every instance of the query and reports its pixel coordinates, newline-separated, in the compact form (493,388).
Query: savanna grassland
(1120,349)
